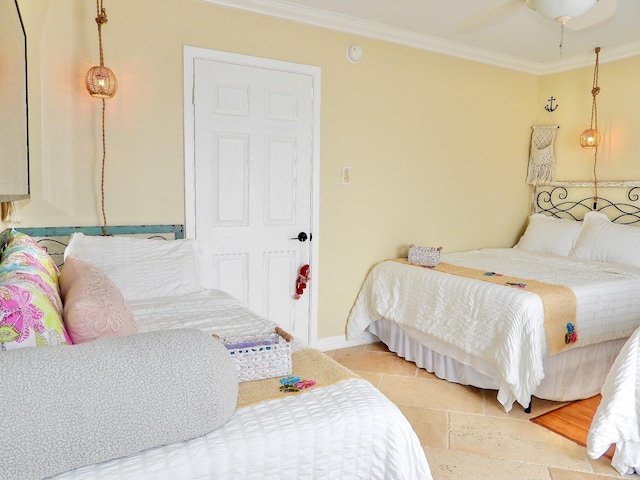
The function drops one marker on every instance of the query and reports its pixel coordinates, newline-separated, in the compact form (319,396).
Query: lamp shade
(101,82)
(590,138)
(562,9)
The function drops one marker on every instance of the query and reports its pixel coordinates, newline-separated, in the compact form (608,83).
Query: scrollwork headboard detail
(621,202)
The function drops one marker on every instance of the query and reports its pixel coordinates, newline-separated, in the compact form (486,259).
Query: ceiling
(523,40)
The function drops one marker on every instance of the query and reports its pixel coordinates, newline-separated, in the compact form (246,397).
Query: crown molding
(347,24)
(586,60)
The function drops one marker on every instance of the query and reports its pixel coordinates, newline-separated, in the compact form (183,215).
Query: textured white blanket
(503,326)
(617,419)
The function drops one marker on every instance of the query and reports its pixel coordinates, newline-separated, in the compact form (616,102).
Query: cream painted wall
(438,146)
(618,117)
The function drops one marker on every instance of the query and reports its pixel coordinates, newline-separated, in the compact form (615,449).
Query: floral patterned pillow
(28,318)
(23,259)
(30,304)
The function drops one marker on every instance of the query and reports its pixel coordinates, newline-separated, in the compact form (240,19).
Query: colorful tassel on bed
(571,336)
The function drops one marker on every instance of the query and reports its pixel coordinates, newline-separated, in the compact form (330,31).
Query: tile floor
(464,430)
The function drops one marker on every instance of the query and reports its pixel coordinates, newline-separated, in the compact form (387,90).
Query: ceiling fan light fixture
(562,10)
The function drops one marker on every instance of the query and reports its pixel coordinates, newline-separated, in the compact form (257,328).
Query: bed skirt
(570,375)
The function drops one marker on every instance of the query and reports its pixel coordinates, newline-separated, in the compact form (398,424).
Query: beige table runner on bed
(558,301)
(308,364)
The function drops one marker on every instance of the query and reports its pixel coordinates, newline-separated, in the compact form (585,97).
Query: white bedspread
(346,431)
(212,311)
(617,419)
(349,430)
(502,326)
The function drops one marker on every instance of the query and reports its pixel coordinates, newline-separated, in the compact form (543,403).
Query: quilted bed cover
(617,419)
(348,430)
(500,325)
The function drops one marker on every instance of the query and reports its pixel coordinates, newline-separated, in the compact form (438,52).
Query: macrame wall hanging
(541,160)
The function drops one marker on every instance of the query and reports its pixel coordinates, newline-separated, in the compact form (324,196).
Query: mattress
(348,430)
(495,327)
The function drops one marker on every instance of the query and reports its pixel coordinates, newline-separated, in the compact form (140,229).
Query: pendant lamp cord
(104,157)
(101,18)
(595,90)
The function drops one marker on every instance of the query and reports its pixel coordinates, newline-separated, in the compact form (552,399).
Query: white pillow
(603,241)
(549,235)
(141,268)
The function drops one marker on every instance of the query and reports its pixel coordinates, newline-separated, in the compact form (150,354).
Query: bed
(479,317)
(344,429)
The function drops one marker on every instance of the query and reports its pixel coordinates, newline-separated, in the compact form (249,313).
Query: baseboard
(334,343)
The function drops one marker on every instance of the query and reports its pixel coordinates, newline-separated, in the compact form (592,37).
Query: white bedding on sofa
(212,311)
(345,431)
(617,419)
(349,430)
(499,325)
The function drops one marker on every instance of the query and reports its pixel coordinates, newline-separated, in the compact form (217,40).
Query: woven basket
(427,256)
(259,356)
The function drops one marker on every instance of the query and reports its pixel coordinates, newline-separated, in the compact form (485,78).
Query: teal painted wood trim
(177,230)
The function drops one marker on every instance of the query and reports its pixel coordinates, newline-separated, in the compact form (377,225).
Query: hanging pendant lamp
(100,81)
(591,137)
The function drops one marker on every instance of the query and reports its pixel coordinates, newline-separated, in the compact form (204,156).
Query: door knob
(302,237)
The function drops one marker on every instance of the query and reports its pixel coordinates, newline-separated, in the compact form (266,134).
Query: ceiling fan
(575,14)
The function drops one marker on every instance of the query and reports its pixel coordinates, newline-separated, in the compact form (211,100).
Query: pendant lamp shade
(101,82)
(590,138)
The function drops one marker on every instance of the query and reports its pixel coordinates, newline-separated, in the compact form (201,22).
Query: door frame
(190,54)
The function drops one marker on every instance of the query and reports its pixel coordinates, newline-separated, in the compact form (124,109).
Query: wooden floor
(572,421)
(464,430)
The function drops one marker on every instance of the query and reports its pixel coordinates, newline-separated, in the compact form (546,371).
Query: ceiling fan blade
(489,15)
(600,12)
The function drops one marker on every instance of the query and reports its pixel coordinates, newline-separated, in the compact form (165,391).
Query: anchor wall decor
(549,107)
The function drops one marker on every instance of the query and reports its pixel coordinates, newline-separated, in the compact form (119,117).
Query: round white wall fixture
(354,53)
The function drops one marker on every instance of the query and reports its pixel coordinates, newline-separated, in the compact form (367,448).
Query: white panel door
(254,148)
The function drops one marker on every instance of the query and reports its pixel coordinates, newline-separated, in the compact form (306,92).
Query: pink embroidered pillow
(93,305)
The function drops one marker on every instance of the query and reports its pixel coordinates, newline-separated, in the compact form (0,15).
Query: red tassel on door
(304,275)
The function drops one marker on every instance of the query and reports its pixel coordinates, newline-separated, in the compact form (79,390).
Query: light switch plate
(345,175)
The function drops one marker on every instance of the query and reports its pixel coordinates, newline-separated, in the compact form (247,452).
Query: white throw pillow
(601,240)
(141,268)
(549,235)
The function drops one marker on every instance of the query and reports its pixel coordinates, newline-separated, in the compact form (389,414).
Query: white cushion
(600,240)
(141,268)
(549,235)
